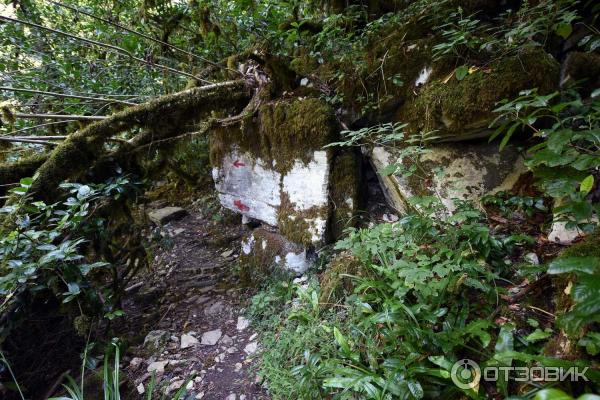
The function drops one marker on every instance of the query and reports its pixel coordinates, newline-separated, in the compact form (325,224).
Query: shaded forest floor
(183,315)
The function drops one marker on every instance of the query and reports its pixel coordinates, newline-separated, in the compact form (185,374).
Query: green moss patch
(460,109)
(283,133)
(344,192)
(337,281)
(299,226)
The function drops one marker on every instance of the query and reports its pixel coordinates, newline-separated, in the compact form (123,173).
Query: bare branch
(60,116)
(40,126)
(105,45)
(25,140)
(148,37)
(61,137)
(66,96)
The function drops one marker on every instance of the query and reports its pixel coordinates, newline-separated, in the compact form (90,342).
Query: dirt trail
(185,315)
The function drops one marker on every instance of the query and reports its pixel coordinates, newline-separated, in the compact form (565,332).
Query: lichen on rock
(465,171)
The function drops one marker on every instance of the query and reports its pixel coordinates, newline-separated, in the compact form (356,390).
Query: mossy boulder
(275,169)
(338,280)
(388,74)
(263,250)
(465,171)
(282,133)
(459,110)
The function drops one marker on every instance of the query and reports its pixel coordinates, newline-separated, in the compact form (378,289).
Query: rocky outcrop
(465,171)
(276,170)
(459,110)
(296,201)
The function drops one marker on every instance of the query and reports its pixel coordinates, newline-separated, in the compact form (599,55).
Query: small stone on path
(166,214)
(157,366)
(214,309)
(242,323)
(211,338)
(251,348)
(175,385)
(188,340)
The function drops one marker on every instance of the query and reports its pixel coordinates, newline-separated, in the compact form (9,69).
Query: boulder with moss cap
(275,169)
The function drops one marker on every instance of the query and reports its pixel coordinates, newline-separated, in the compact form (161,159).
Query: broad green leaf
(587,265)
(415,389)
(341,340)
(26,182)
(461,72)
(587,184)
(552,394)
(564,30)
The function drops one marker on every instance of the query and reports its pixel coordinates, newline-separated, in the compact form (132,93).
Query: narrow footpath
(185,315)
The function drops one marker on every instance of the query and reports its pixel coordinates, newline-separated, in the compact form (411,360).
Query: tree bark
(78,153)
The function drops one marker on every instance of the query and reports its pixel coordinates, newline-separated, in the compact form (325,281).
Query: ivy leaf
(587,184)
(587,265)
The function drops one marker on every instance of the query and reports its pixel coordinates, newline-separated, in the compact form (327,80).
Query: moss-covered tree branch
(165,114)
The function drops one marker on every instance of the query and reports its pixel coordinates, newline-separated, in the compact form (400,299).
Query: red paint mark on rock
(241,206)
(238,164)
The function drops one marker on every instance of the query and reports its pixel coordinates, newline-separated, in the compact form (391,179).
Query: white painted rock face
(246,185)
(249,186)
(265,248)
(455,171)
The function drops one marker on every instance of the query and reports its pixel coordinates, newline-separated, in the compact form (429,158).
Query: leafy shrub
(566,159)
(44,248)
(427,302)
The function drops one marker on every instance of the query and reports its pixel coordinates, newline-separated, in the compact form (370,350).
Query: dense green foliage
(436,288)
(430,299)
(46,251)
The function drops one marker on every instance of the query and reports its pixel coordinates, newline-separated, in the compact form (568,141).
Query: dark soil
(191,288)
